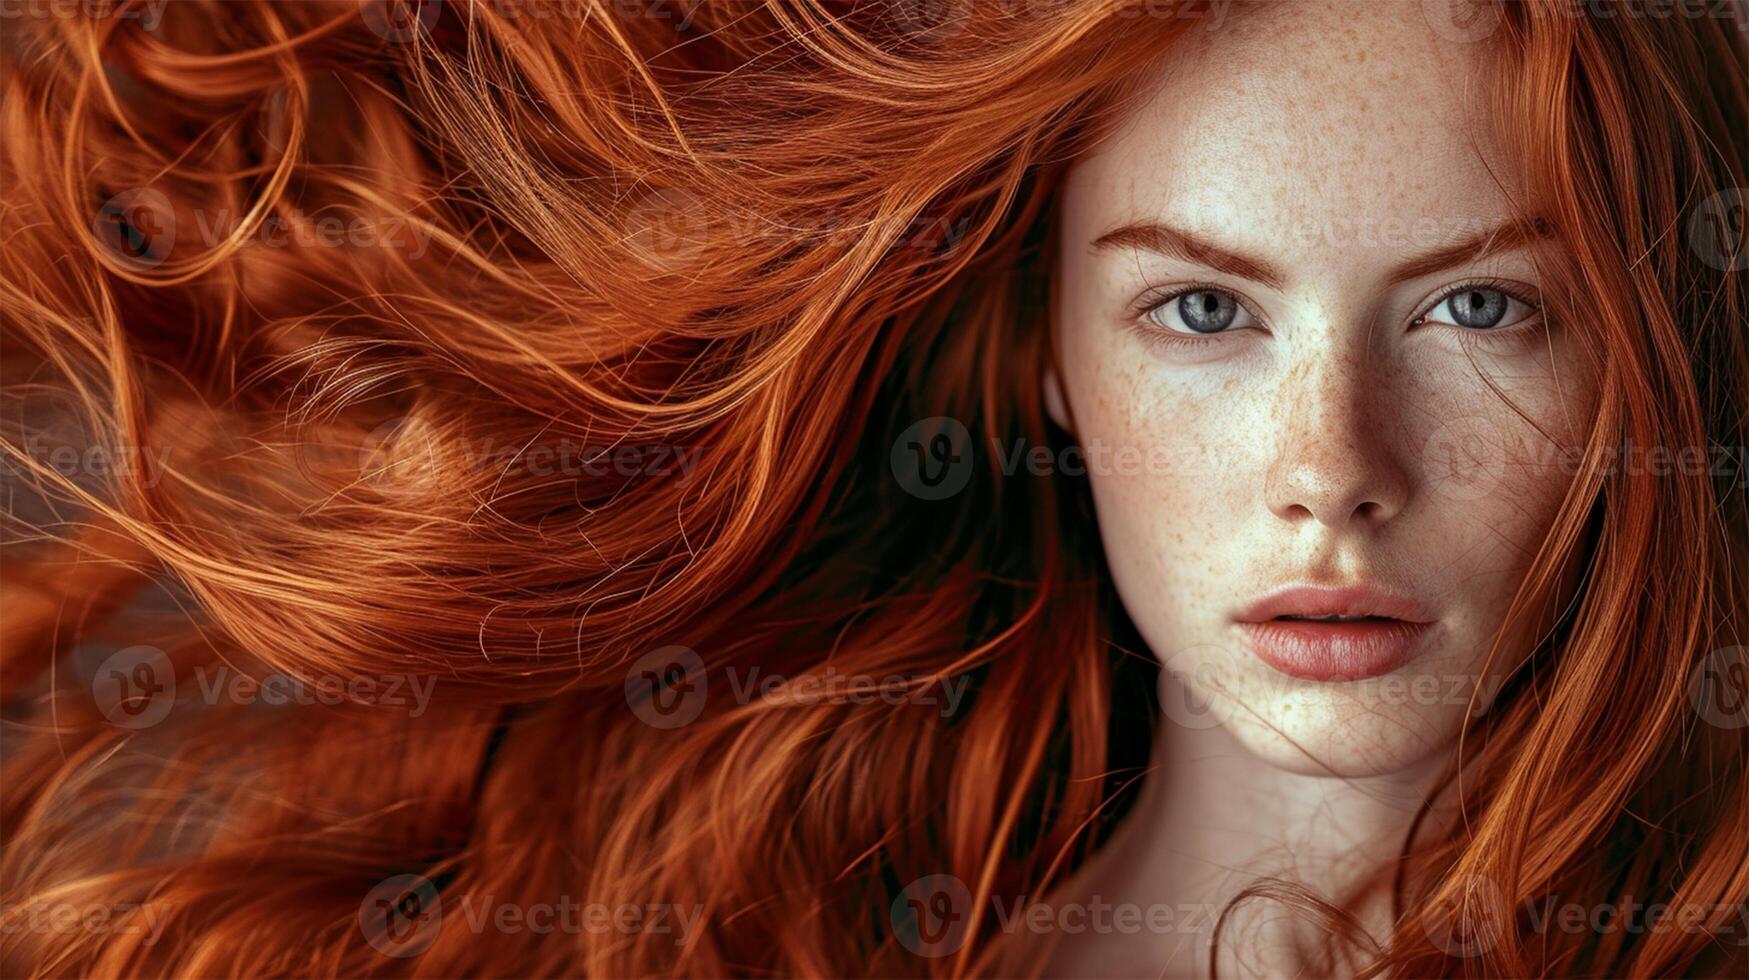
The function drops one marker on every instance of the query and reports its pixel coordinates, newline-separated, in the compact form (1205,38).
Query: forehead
(1302,116)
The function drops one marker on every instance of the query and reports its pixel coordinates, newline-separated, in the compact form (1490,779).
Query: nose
(1335,461)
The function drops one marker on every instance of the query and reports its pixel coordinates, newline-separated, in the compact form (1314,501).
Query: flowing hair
(473,362)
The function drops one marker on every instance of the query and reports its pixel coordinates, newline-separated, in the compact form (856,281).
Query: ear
(1056,406)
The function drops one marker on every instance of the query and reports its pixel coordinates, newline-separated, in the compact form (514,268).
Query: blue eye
(1478,307)
(1201,311)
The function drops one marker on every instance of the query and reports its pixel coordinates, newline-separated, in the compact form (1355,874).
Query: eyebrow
(1177,243)
(1169,241)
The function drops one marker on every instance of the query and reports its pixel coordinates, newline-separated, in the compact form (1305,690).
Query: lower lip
(1332,651)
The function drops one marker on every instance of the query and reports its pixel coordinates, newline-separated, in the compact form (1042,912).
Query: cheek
(1175,468)
(1492,438)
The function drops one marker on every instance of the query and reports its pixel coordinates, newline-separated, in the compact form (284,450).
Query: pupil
(1479,308)
(1207,311)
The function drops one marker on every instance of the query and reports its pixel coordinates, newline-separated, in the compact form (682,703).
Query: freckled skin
(1332,143)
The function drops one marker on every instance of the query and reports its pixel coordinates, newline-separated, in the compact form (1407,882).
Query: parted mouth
(1350,604)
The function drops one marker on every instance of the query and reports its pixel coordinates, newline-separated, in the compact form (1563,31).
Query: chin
(1367,727)
(1326,734)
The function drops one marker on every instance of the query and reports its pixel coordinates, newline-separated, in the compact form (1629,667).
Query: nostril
(1359,484)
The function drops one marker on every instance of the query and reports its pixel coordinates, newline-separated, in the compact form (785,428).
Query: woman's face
(1301,349)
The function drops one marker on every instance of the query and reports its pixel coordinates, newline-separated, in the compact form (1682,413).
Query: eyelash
(1155,300)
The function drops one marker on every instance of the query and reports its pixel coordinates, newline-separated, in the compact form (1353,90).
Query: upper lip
(1353,601)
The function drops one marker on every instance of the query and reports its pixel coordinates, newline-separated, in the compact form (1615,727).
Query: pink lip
(1334,651)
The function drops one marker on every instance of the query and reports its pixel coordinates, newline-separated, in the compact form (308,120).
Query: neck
(1213,820)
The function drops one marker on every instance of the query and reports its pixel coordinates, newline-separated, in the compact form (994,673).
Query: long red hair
(319,282)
